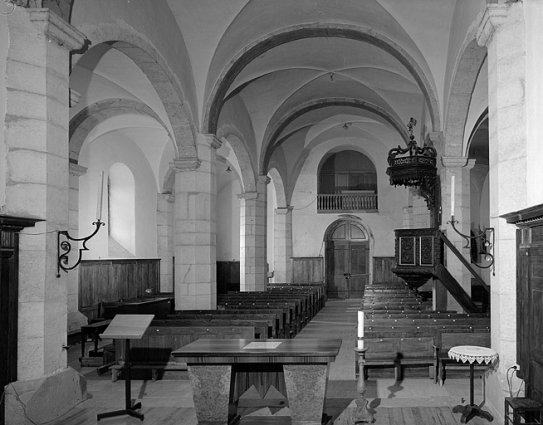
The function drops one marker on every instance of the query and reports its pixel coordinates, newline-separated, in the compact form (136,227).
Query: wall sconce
(65,245)
(486,248)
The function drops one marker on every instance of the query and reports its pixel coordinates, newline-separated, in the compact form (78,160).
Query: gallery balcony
(351,202)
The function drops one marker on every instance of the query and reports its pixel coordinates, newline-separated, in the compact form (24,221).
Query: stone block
(43,400)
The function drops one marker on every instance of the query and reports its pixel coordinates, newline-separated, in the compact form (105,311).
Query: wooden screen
(530,298)
(111,280)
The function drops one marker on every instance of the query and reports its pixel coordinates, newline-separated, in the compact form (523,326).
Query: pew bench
(153,351)
(451,338)
(398,352)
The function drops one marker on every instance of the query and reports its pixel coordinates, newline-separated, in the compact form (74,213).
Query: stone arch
(289,116)
(463,83)
(286,35)
(279,185)
(247,170)
(89,117)
(154,66)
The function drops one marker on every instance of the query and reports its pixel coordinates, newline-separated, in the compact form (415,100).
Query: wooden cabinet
(529,224)
(228,276)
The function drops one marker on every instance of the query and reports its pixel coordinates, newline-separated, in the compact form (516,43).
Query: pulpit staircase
(420,256)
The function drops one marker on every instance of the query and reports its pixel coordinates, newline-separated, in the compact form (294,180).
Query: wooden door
(347,259)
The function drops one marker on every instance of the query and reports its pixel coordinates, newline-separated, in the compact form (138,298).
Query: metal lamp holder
(487,238)
(65,246)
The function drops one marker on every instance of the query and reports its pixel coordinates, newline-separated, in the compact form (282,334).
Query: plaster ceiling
(256,62)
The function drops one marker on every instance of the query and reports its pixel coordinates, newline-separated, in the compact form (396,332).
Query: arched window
(122,211)
(347,182)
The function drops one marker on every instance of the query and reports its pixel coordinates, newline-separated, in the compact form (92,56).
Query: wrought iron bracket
(486,236)
(65,246)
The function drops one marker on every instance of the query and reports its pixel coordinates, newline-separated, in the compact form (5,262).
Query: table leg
(306,387)
(211,393)
(83,340)
(129,409)
(471,410)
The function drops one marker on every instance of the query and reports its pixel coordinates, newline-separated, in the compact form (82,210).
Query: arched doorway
(347,259)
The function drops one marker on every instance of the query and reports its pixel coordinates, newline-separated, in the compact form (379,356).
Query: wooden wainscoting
(307,269)
(111,280)
(382,270)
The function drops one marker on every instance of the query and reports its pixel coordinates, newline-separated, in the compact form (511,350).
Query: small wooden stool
(523,409)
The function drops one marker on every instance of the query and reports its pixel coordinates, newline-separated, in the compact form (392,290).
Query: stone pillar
(164,217)
(195,228)
(282,240)
(253,264)
(36,138)
(75,318)
(460,168)
(502,31)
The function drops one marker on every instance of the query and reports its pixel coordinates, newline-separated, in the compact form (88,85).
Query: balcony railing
(349,202)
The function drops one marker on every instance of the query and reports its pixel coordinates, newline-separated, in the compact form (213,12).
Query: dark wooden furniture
(153,351)
(159,307)
(9,297)
(93,330)
(111,280)
(215,364)
(524,411)
(127,327)
(228,276)
(529,224)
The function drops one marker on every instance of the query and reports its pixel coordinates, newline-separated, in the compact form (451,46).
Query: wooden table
(214,365)
(472,354)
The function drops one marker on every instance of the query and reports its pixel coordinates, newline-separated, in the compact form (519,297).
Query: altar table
(213,365)
(472,354)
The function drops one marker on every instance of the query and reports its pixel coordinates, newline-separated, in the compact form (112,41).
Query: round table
(472,354)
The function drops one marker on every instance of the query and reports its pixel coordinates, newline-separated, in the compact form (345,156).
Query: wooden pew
(271,318)
(152,352)
(398,352)
(291,322)
(451,338)
(261,326)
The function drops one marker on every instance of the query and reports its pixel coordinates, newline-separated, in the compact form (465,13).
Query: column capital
(210,139)
(185,164)
(493,18)
(57,29)
(284,210)
(77,170)
(457,162)
(434,138)
(264,179)
(248,195)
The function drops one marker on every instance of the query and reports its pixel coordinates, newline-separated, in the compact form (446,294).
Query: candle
(360,343)
(100,196)
(360,324)
(452,196)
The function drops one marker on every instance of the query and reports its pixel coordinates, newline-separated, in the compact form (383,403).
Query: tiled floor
(170,401)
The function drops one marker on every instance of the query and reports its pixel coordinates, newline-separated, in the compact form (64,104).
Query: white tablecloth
(472,353)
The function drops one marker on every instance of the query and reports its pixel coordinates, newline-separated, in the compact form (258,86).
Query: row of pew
(279,312)
(412,335)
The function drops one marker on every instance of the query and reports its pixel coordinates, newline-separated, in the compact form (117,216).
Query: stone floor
(169,401)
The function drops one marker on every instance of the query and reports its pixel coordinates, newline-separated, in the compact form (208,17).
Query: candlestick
(100,196)
(452,196)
